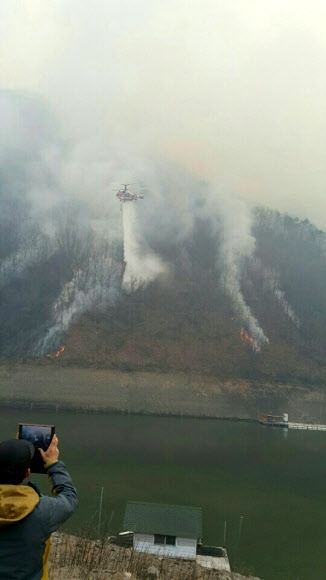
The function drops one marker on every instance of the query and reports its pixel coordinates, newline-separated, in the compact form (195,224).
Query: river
(260,489)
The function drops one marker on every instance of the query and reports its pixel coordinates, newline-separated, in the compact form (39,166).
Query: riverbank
(77,558)
(52,387)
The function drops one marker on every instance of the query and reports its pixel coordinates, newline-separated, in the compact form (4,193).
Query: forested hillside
(183,276)
(65,289)
(189,321)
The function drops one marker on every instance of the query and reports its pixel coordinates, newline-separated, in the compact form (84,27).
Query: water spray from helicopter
(141,263)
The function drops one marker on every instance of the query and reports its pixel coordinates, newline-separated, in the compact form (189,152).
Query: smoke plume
(67,190)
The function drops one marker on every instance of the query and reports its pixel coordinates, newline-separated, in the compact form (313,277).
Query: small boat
(274,420)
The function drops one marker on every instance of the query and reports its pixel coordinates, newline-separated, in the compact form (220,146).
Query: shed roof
(170,520)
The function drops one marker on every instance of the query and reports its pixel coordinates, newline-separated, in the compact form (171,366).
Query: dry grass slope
(74,558)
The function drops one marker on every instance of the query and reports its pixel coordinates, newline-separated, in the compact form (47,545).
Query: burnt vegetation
(65,286)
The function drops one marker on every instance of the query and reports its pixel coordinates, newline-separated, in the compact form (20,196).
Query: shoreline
(78,390)
(64,408)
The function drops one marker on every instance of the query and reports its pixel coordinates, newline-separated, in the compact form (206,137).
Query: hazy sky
(233,89)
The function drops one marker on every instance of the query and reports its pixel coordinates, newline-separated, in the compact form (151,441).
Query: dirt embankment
(54,387)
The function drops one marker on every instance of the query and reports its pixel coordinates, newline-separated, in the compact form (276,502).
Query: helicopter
(126,194)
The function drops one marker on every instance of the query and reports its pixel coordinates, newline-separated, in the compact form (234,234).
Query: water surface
(273,479)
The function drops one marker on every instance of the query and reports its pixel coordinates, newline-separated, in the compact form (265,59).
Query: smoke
(114,93)
(68,189)
(238,244)
(271,283)
(90,289)
(31,154)
(230,220)
(280,295)
(14,266)
(244,100)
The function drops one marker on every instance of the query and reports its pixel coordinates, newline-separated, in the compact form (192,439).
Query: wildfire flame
(56,354)
(245,337)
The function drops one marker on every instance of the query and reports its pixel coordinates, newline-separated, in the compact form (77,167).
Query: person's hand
(52,452)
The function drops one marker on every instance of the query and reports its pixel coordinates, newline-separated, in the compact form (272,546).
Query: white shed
(165,530)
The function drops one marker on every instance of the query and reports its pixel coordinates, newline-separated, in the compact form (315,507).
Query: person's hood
(16,502)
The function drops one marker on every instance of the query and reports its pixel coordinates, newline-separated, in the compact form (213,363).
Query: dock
(271,420)
(307,426)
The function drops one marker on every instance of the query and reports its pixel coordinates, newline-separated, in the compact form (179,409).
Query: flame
(245,337)
(56,354)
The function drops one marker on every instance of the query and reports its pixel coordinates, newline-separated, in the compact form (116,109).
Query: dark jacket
(27,520)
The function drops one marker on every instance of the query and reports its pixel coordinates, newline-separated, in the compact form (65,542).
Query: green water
(274,479)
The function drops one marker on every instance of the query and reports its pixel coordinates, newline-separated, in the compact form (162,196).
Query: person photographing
(27,519)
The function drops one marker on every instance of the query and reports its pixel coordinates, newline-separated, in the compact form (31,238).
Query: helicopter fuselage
(127,195)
